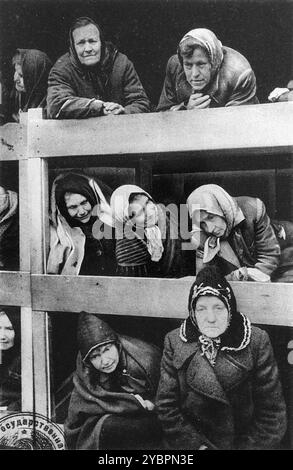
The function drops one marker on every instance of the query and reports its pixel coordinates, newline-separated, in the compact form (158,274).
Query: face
(78,207)
(197,69)
(105,358)
(211,316)
(87,44)
(212,224)
(143,212)
(18,78)
(7,333)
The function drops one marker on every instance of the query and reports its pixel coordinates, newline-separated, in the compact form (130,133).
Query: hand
(277,93)
(113,108)
(198,101)
(203,447)
(257,275)
(240,274)
(149,405)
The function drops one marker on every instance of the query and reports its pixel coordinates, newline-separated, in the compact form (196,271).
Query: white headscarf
(214,200)
(120,210)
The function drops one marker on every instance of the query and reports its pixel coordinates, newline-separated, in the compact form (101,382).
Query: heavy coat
(237,404)
(253,240)
(233,85)
(72,89)
(91,404)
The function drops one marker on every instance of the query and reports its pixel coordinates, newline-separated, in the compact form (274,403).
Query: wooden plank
(265,127)
(38,204)
(15,288)
(27,376)
(13,141)
(270,303)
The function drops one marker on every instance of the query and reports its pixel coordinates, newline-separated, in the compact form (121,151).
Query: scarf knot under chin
(209,348)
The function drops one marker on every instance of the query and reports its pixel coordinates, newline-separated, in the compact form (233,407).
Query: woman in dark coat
(206,74)
(219,386)
(32,69)
(115,382)
(10,361)
(93,78)
(81,236)
(235,233)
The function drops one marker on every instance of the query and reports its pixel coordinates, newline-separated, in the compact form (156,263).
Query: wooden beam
(15,288)
(38,205)
(13,141)
(270,304)
(261,127)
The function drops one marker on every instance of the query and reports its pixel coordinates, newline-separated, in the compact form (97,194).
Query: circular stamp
(30,431)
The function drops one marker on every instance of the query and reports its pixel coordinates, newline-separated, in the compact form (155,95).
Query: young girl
(147,238)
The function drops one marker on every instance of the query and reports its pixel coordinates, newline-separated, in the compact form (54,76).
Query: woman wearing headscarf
(234,233)
(206,74)
(147,238)
(81,238)
(32,69)
(219,386)
(10,361)
(9,230)
(93,78)
(115,382)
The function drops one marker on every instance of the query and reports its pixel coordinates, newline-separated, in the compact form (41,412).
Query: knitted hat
(210,281)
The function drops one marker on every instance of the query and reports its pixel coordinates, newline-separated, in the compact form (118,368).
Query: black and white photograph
(146,227)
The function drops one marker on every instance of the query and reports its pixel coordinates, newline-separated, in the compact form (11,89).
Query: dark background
(148,32)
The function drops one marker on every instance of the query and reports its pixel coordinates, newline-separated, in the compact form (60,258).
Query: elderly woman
(234,233)
(219,386)
(147,238)
(32,69)
(206,74)
(93,78)
(9,230)
(112,404)
(81,238)
(10,363)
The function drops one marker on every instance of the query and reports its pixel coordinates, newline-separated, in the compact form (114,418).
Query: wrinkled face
(212,224)
(18,78)
(78,207)
(87,44)
(211,316)
(198,69)
(105,358)
(143,212)
(7,333)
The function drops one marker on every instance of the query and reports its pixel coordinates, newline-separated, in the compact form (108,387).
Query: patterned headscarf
(210,281)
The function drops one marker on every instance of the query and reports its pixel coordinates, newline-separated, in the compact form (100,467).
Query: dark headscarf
(210,281)
(36,66)
(76,184)
(93,332)
(14,317)
(98,73)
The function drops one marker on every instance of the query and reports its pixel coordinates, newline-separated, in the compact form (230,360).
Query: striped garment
(132,257)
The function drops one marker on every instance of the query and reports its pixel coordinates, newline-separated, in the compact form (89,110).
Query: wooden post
(27,389)
(143,174)
(38,207)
